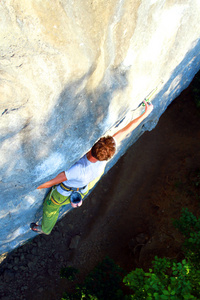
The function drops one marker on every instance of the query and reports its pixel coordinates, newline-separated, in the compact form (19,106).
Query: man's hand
(148,108)
(122,133)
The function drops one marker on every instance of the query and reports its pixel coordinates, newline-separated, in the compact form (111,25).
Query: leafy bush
(189,226)
(187,223)
(170,279)
(166,280)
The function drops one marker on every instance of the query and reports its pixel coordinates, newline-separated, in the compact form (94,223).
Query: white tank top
(82,173)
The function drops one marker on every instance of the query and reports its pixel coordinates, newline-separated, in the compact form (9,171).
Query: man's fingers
(148,107)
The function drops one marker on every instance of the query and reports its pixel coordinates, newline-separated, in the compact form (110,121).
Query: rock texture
(70,71)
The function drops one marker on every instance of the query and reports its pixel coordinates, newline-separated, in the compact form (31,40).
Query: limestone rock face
(70,71)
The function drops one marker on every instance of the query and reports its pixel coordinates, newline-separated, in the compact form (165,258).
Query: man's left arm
(58,179)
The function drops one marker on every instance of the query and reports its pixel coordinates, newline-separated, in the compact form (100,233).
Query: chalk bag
(76,199)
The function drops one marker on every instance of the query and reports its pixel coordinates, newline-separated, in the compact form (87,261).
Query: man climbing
(83,175)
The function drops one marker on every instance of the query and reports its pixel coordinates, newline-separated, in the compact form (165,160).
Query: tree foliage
(167,279)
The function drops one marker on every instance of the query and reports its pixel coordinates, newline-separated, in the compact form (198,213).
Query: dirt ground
(128,216)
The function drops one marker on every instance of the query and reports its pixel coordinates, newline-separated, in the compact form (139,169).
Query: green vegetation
(167,279)
(189,226)
(69,273)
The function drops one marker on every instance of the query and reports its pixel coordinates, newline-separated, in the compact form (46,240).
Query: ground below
(128,216)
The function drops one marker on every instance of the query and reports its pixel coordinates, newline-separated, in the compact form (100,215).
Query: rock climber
(82,176)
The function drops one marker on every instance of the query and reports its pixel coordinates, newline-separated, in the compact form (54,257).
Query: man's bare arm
(58,179)
(122,133)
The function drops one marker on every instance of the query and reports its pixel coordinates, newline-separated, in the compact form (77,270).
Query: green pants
(51,210)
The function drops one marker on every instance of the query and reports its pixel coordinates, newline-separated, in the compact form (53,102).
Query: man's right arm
(58,179)
(122,133)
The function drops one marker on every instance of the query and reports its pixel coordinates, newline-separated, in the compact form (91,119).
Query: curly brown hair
(104,148)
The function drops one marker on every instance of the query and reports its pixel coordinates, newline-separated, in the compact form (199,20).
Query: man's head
(104,149)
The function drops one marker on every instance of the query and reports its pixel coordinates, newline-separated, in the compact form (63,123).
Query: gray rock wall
(70,71)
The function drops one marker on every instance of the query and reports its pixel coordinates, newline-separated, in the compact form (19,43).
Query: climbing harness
(75,197)
(69,189)
(52,198)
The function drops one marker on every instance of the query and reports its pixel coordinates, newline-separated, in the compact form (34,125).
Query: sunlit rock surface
(70,72)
